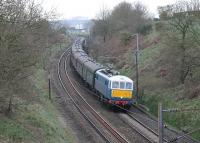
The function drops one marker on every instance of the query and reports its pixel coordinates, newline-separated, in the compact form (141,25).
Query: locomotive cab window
(129,85)
(97,77)
(115,84)
(122,85)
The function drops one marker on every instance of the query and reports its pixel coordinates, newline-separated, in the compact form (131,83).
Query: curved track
(99,124)
(148,122)
(108,133)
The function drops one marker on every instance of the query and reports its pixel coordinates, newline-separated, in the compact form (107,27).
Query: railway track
(170,135)
(108,133)
(149,134)
(148,123)
(141,128)
(139,121)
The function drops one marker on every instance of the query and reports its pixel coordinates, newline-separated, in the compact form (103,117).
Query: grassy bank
(34,118)
(185,121)
(158,89)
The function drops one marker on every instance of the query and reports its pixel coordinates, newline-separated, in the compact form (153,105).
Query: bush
(158,26)
(125,38)
(144,29)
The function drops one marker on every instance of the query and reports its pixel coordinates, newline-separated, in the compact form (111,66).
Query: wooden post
(10,104)
(137,67)
(49,79)
(160,122)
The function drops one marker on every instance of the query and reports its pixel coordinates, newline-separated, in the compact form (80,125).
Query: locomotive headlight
(121,97)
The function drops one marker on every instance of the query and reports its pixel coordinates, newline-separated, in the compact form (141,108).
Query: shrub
(125,38)
(144,29)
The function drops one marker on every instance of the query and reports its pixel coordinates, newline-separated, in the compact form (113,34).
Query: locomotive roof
(120,78)
(113,76)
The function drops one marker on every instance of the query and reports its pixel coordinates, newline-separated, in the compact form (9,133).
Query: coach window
(115,84)
(128,85)
(122,85)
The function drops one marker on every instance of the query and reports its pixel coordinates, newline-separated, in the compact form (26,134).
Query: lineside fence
(161,111)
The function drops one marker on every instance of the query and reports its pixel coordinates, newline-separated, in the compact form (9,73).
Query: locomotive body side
(91,68)
(102,85)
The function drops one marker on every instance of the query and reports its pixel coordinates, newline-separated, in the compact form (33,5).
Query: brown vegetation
(180,39)
(177,62)
(25,34)
(124,18)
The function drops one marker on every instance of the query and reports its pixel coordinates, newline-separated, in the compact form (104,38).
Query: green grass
(45,115)
(126,72)
(148,55)
(35,119)
(158,89)
(13,130)
(181,120)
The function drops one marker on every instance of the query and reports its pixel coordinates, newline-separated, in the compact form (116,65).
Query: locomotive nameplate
(122,93)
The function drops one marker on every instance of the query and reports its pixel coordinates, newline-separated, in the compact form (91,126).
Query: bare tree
(125,17)
(183,18)
(24,32)
(102,24)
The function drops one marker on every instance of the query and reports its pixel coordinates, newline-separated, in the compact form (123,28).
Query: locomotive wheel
(127,107)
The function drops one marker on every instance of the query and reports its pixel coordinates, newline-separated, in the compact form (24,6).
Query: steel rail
(76,105)
(145,126)
(149,128)
(185,137)
(95,114)
(138,131)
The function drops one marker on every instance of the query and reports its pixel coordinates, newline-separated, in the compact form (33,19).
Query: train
(112,88)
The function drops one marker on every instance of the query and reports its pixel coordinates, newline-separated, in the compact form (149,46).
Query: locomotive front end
(121,90)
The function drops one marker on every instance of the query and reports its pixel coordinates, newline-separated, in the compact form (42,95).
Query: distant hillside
(77,22)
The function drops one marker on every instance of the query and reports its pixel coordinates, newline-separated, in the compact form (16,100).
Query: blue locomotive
(111,87)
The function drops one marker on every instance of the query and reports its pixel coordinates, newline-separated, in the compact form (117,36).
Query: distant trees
(122,17)
(181,37)
(25,32)
(102,25)
(125,17)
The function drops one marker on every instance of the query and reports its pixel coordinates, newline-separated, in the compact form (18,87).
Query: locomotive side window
(122,85)
(115,84)
(106,82)
(128,85)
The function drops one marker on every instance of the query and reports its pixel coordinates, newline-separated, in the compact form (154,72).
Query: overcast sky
(90,8)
